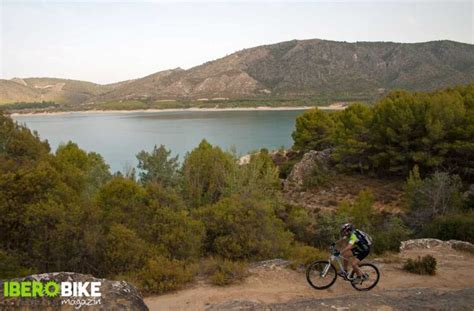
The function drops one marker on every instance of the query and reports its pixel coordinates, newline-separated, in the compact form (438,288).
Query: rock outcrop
(115,295)
(435,243)
(305,167)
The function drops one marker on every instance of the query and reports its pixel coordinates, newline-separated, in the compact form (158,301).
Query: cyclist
(358,245)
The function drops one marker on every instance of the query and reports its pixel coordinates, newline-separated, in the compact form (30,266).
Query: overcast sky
(108,41)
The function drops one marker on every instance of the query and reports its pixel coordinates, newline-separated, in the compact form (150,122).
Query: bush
(318,176)
(303,255)
(389,237)
(452,227)
(425,265)
(161,275)
(244,228)
(124,250)
(10,266)
(436,195)
(297,221)
(223,271)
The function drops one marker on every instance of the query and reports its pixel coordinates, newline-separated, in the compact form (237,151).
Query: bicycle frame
(337,259)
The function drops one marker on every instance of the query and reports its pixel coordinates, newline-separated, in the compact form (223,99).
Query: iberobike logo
(74,293)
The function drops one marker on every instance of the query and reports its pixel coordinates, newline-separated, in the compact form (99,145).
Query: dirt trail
(284,287)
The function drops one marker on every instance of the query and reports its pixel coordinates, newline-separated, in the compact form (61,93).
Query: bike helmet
(346,229)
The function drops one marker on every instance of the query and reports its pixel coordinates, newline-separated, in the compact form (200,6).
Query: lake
(118,137)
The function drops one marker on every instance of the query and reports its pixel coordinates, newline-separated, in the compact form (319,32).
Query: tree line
(425,138)
(65,211)
(431,130)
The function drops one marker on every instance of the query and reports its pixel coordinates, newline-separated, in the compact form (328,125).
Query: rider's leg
(346,256)
(355,266)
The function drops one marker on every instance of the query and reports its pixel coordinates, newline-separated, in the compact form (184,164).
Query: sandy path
(279,285)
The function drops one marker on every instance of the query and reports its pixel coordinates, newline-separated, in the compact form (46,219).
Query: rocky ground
(397,299)
(273,286)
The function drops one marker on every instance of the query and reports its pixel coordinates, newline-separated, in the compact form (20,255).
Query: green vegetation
(387,230)
(425,265)
(29,105)
(431,130)
(303,255)
(452,227)
(255,102)
(223,271)
(161,275)
(64,211)
(424,137)
(156,167)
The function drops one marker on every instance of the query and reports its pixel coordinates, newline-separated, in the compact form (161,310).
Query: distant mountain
(290,69)
(62,91)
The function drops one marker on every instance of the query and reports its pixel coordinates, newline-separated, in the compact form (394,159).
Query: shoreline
(262,108)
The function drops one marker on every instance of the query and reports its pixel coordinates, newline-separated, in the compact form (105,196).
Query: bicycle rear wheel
(372,277)
(321,274)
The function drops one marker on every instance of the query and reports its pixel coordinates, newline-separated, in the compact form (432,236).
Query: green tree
(205,174)
(83,171)
(352,138)
(313,130)
(121,201)
(438,194)
(158,166)
(258,177)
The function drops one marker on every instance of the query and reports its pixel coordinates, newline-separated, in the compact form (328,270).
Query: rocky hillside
(61,91)
(287,69)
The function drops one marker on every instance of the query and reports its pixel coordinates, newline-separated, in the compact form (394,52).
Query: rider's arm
(350,244)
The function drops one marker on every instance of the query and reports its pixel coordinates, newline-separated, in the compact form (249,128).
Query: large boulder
(306,166)
(115,295)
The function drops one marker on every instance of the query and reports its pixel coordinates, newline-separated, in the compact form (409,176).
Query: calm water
(118,137)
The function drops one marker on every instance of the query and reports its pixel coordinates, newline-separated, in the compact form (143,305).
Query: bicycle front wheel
(371,277)
(321,274)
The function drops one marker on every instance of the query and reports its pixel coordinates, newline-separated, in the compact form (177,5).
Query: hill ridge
(295,68)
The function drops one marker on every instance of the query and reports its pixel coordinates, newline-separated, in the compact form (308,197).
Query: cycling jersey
(358,241)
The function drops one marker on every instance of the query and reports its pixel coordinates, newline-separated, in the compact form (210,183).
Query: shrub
(319,175)
(161,275)
(223,271)
(303,255)
(297,221)
(424,265)
(124,250)
(452,227)
(244,228)
(439,194)
(389,237)
(10,266)
(327,228)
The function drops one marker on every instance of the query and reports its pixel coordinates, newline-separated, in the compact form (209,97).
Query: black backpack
(363,237)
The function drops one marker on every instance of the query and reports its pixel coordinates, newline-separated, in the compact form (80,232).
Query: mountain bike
(322,274)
